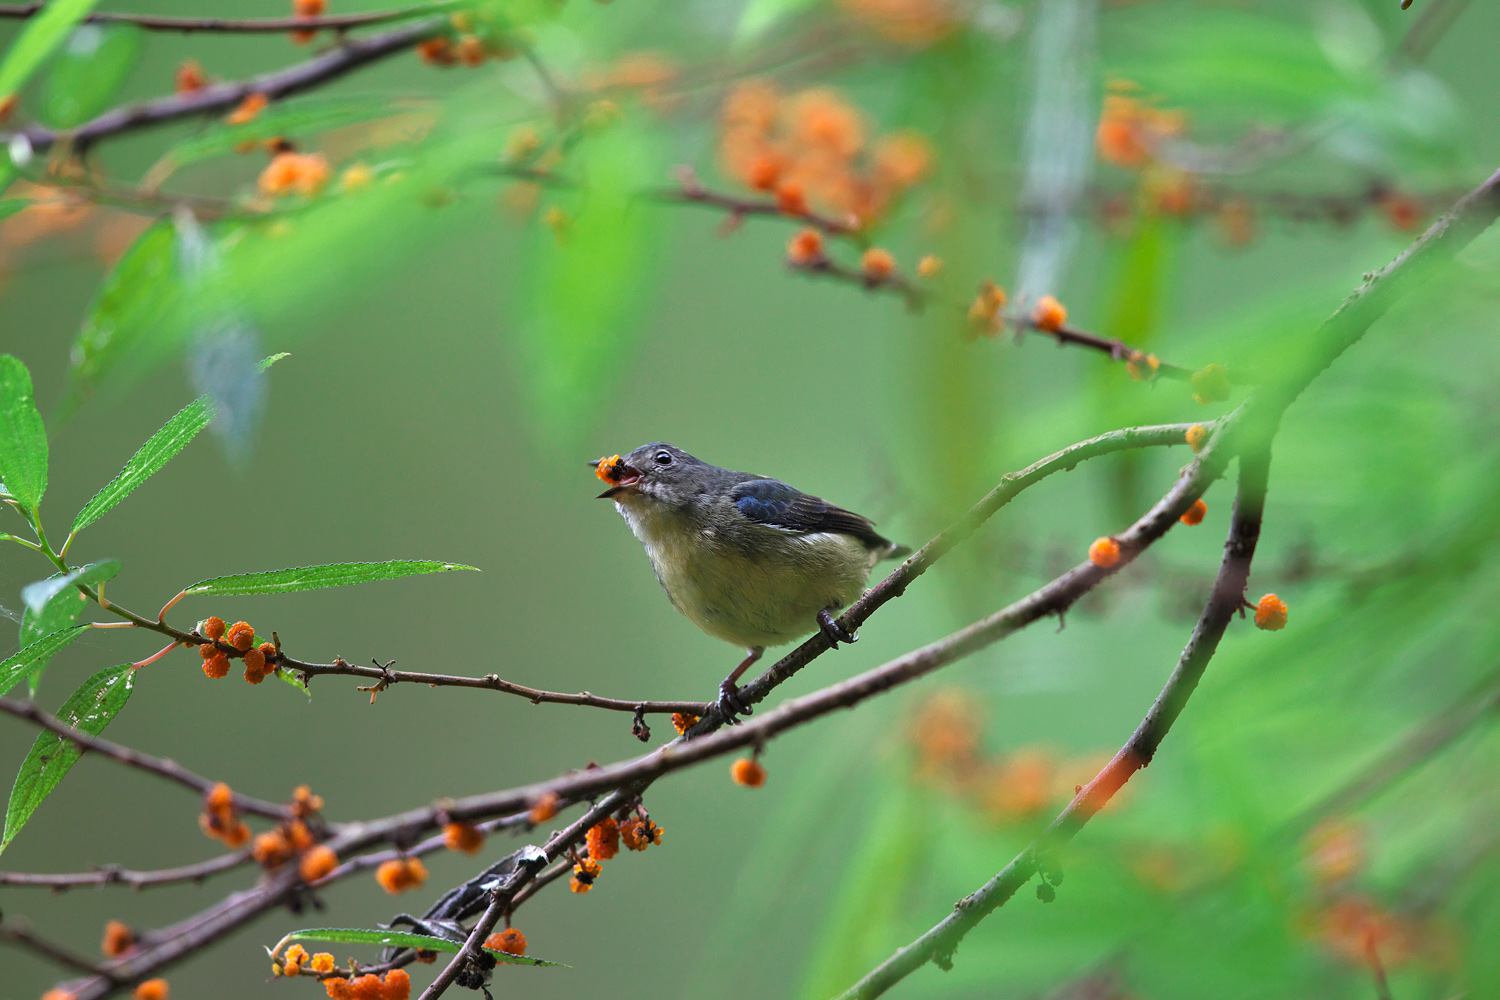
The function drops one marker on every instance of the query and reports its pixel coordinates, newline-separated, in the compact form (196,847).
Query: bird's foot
(731,703)
(834,632)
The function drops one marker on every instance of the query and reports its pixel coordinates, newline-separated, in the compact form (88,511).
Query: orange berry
(764,173)
(301,37)
(805,248)
(877,264)
(338,989)
(241,636)
(255,666)
(639,834)
(216,665)
(272,849)
(1196,435)
(118,939)
(397,985)
(52,994)
(1210,384)
(366,987)
(317,863)
(401,874)
(190,78)
(437,51)
(1049,314)
(748,772)
(604,839)
(288,172)
(220,798)
(213,628)
(304,802)
(236,836)
(309,8)
(1104,553)
(152,989)
(1195,513)
(584,874)
(682,722)
(1270,613)
(321,963)
(790,199)
(300,836)
(544,808)
(510,941)
(252,105)
(463,837)
(929,266)
(296,954)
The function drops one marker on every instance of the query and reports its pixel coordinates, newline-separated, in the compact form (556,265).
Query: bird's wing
(774,503)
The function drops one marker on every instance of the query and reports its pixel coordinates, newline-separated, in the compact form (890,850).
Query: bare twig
(168,769)
(23,937)
(116,875)
(221,25)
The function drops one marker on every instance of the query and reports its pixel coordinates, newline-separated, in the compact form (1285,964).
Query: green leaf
(151,456)
(285,581)
(90,709)
(760,16)
(10,206)
(34,655)
(134,298)
(268,362)
(401,939)
(54,604)
(88,72)
(39,39)
(23,438)
(290,677)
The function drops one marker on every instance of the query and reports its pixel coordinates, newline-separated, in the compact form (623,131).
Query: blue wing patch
(772,502)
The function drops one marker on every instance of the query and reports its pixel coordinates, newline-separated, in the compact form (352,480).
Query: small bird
(747,559)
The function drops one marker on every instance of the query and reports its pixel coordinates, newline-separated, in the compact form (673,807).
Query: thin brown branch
(116,875)
(23,937)
(160,766)
(938,944)
(896,282)
(221,25)
(345,58)
(690,191)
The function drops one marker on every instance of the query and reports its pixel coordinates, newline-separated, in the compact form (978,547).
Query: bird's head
(653,472)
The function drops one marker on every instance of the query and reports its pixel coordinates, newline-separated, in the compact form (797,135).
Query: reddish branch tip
(1104,553)
(1195,513)
(464,837)
(1196,436)
(1049,314)
(604,839)
(118,939)
(401,874)
(748,772)
(510,941)
(1270,613)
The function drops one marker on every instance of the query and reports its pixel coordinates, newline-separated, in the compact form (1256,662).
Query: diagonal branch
(938,944)
(221,25)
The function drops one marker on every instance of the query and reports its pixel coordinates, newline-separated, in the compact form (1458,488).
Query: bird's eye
(664,458)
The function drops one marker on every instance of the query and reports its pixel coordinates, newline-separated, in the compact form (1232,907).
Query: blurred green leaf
(300,118)
(401,939)
(760,16)
(88,72)
(23,437)
(90,709)
(10,206)
(268,362)
(137,294)
(150,457)
(55,603)
(283,581)
(30,657)
(41,36)
(590,274)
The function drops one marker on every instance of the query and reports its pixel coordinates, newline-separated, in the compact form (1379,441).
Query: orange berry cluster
(118,939)
(220,819)
(464,837)
(603,843)
(811,148)
(604,839)
(946,735)
(585,871)
(297,958)
(259,660)
(639,834)
(395,986)
(292,838)
(682,722)
(468,49)
(510,941)
(400,874)
(291,172)
(748,772)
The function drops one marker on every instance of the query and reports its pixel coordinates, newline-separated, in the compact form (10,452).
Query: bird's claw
(731,704)
(833,631)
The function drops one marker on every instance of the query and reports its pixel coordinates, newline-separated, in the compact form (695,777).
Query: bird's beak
(612,469)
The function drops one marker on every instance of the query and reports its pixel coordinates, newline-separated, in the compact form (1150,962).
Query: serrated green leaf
(150,457)
(268,362)
(90,709)
(38,40)
(284,581)
(23,663)
(88,72)
(55,603)
(23,437)
(137,294)
(401,939)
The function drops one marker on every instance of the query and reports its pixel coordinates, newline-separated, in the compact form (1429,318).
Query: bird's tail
(894,551)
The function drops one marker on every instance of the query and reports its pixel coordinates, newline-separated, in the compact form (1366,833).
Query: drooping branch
(938,944)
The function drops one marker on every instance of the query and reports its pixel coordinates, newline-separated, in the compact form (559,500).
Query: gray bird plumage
(747,559)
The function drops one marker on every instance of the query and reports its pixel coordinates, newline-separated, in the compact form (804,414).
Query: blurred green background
(455,358)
